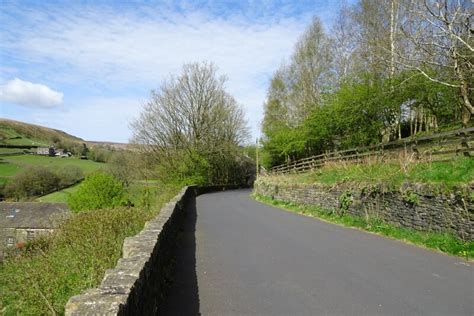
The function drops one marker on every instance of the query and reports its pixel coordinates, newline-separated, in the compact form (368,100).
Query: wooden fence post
(465,145)
(415,151)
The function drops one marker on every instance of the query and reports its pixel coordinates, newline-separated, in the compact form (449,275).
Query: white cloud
(137,49)
(99,119)
(30,94)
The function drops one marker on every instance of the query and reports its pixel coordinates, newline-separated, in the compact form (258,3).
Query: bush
(99,154)
(69,175)
(38,180)
(98,190)
(33,181)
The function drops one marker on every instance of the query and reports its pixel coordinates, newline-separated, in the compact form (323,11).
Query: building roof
(32,214)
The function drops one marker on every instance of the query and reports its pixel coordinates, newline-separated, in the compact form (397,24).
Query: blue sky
(87,67)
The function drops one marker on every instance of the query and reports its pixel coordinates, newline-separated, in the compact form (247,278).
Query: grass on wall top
(451,173)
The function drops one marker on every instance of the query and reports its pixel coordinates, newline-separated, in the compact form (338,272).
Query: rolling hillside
(23,134)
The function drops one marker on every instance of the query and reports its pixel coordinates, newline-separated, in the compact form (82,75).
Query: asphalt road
(240,257)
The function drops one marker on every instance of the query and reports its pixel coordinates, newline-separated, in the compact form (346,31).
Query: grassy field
(10,136)
(59,196)
(11,165)
(19,133)
(19,151)
(451,173)
(446,243)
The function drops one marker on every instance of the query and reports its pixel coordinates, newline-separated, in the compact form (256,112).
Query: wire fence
(437,147)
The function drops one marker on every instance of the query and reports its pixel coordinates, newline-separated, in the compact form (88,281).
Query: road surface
(240,257)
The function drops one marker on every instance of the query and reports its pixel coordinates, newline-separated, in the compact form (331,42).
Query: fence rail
(440,146)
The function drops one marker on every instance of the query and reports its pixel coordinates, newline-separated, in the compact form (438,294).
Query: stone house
(43,151)
(21,222)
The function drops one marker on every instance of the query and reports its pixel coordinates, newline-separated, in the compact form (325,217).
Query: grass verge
(443,242)
(46,272)
(449,173)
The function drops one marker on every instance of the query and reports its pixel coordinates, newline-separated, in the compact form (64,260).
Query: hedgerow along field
(11,165)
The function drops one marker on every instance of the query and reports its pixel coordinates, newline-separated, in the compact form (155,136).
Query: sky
(87,67)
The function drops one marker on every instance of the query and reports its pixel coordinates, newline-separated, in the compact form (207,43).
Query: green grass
(451,173)
(8,169)
(446,243)
(48,271)
(19,151)
(59,196)
(11,165)
(11,137)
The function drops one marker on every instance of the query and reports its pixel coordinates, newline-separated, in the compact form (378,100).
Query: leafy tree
(192,127)
(32,182)
(85,150)
(98,190)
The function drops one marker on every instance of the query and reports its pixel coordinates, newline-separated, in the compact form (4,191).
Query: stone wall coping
(129,280)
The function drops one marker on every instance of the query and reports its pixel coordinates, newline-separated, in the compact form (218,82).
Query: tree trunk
(468,108)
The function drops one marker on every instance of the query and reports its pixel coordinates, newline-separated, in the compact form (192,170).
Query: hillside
(24,134)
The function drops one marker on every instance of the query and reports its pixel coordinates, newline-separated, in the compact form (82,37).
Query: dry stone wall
(419,206)
(136,285)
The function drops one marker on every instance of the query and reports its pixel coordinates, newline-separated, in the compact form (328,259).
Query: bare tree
(345,43)
(440,34)
(190,114)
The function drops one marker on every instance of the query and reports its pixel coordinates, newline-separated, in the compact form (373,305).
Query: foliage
(447,243)
(345,201)
(68,175)
(196,138)
(44,274)
(33,181)
(127,166)
(37,180)
(47,272)
(99,154)
(372,79)
(98,190)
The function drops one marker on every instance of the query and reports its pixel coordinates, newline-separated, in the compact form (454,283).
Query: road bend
(237,256)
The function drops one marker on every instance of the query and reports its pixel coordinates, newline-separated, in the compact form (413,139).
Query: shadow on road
(182,297)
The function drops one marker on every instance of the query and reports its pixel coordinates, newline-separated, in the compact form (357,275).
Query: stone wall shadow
(182,295)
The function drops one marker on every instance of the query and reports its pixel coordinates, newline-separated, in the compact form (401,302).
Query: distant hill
(109,144)
(24,134)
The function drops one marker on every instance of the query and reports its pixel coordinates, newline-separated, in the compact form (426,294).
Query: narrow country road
(241,257)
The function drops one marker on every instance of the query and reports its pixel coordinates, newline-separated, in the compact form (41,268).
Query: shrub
(69,175)
(98,190)
(99,154)
(33,181)
(38,180)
